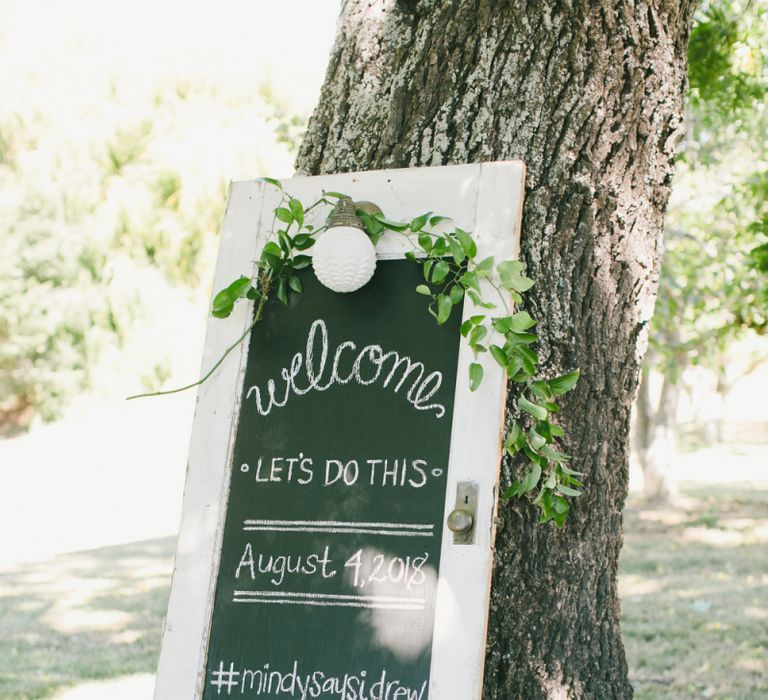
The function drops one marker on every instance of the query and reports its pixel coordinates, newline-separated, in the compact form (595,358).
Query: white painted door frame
(485,199)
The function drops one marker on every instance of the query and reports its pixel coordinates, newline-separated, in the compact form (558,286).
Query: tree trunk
(656,431)
(589,95)
(660,451)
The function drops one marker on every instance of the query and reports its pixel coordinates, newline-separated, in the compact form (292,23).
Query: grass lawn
(694,589)
(694,585)
(90,615)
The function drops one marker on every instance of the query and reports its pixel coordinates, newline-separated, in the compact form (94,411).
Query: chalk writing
(308,373)
(281,564)
(382,569)
(379,471)
(225,679)
(301,684)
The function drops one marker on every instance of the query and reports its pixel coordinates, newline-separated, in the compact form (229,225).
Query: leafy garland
(450,273)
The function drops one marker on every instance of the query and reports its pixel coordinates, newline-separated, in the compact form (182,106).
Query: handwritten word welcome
(314,372)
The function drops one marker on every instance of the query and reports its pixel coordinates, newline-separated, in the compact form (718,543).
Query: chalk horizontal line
(340,530)
(331,603)
(331,596)
(342,523)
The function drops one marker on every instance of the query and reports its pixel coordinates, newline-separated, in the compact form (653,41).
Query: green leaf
(440,271)
(456,293)
(499,355)
(297,209)
(510,442)
(475,375)
(425,241)
(466,327)
(469,279)
(512,491)
(272,248)
(528,354)
(282,291)
(531,408)
(477,334)
(222,305)
(427,268)
(567,490)
(510,267)
(295,284)
(535,440)
(556,430)
(511,274)
(272,261)
(545,503)
(335,195)
(418,223)
(283,214)
(531,479)
(485,267)
(467,242)
(303,241)
(439,248)
(272,181)
(435,220)
(285,242)
(563,384)
(541,390)
(570,472)
(477,300)
(224,301)
(301,261)
(444,307)
(521,321)
(423,289)
(373,226)
(560,505)
(521,338)
(398,226)
(456,250)
(239,288)
(552,454)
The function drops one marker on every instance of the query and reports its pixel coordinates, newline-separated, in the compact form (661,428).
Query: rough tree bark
(590,95)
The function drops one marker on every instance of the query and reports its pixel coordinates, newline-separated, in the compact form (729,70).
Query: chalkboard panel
(331,545)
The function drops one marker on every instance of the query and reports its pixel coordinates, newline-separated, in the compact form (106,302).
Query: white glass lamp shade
(343,258)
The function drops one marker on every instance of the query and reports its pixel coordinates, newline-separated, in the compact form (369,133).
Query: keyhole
(466,500)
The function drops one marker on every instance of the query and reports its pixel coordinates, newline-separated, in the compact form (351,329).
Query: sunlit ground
(694,589)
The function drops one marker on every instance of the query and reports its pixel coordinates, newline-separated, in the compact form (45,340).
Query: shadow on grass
(82,616)
(694,587)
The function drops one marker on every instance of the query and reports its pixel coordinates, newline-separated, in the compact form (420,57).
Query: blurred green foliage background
(114,164)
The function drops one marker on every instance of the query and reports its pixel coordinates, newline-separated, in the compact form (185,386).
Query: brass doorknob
(460,521)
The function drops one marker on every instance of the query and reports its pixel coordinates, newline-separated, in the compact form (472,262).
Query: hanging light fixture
(343,257)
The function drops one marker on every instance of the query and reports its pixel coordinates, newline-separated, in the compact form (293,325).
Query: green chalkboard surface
(331,547)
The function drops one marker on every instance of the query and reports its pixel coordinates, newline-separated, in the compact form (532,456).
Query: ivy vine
(451,271)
